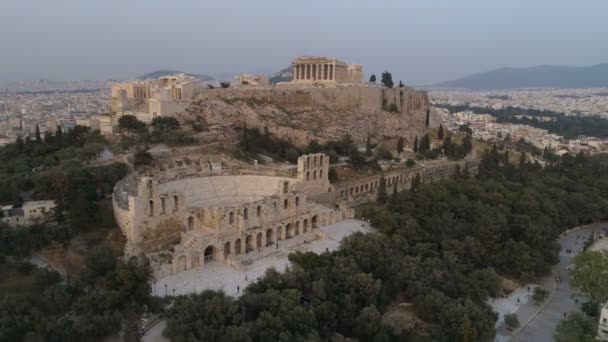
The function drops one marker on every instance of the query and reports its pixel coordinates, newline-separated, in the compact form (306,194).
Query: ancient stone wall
(180,219)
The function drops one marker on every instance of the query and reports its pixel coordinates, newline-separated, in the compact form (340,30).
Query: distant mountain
(161,73)
(535,77)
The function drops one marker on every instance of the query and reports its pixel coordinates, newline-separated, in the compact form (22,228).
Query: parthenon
(325,70)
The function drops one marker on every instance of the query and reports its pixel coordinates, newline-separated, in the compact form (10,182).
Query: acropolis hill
(325,100)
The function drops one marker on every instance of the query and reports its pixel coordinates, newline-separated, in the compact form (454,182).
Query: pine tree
(440,132)
(372,78)
(506,157)
(415,147)
(382,190)
(467,144)
(59,135)
(400,145)
(387,79)
(401,85)
(19,143)
(522,160)
(428,117)
(38,136)
(368,146)
(394,194)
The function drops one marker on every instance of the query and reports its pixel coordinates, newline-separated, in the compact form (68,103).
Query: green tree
(165,123)
(440,132)
(589,275)
(387,79)
(38,137)
(225,85)
(382,196)
(142,157)
(372,78)
(575,328)
(400,146)
(512,321)
(415,147)
(130,123)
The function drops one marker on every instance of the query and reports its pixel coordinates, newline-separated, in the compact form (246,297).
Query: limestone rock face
(321,114)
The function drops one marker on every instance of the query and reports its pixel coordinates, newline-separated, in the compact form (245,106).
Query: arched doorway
(258,240)
(248,243)
(237,247)
(288,231)
(298,228)
(269,237)
(226,249)
(305,225)
(315,222)
(209,253)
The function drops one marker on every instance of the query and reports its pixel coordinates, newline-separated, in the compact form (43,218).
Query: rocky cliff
(301,115)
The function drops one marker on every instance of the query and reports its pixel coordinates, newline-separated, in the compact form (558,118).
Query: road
(542,326)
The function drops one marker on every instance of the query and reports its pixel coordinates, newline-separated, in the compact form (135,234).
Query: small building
(29,213)
(602,327)
(250,80)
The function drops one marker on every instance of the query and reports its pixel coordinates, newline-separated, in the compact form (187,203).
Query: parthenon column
(308,71)
(319,73)
(298,71)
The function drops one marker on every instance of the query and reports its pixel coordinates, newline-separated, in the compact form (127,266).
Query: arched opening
(307,175)
(285,204)
(315,222)
(151,208)
(181,263)
(258,240)
(285,187)
(279,233)
(231,218)
(175,203)
(162,205)
(288,231)
(305,225)
(269,237)
(321,174)
(226,249)
(307,163)
(248,244)
(315,161)
(321,161)
(237,247)
(297,228)
(297,201)
(209,253)
(259,210)
(245,214)
(314,175)
(190,223)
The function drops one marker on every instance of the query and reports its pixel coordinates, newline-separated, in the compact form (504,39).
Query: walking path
(539,323)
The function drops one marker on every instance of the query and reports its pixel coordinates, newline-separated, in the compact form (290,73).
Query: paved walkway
(542,325)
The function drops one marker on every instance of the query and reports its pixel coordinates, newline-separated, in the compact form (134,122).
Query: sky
(421,42)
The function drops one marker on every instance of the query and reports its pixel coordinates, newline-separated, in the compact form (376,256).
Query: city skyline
(420,43)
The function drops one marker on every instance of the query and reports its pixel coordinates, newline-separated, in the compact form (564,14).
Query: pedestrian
(528,288)
(245,277)
(518,299)
(238,288)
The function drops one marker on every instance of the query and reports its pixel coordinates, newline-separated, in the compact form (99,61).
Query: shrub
(384,154)
(540,294)
(410,162)
(512,321)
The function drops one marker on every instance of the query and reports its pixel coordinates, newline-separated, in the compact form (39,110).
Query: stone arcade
(184,217)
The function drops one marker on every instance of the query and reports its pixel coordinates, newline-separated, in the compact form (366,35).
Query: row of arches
(269,237)
(163,205)
(314,175)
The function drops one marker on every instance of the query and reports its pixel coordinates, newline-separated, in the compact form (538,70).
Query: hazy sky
(420,42)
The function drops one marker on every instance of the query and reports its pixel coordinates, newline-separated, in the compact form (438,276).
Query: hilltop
(161,73)
(534,77)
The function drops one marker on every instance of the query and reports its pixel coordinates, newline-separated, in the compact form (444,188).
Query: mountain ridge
(165,72)
(540,76)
